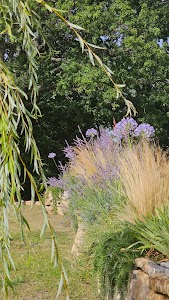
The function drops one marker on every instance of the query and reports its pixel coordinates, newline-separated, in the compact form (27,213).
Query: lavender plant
(91,175)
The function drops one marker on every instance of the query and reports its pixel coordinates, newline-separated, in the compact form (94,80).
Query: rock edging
(150,281)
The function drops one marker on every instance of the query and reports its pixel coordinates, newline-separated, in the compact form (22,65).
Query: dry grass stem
(89,161)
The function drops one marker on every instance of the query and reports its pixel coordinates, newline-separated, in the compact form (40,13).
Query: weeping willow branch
(14,121)
(18,17)
(92,56)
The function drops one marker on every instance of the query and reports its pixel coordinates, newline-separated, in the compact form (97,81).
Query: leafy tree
(73,93)
(65,107)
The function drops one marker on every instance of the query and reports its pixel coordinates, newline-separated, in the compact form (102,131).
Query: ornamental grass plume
(95,159)
(144,173)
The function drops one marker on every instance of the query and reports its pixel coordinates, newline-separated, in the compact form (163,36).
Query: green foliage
(113,261)
(56,195)
(94,204)
(152,232)
(70,87)
(73,93)
(18,21)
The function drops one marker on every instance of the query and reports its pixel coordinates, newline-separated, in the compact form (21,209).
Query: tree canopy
(134,35)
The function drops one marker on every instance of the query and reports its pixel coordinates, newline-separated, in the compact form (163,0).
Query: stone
(37,203)
(154,296)
(165,264)
(159,283)
(139,286)
(62,207)
(48,201)
(149,266)
(79,239)
(65,196)
(29,202)
(166,272)
(147,287)
(63,203)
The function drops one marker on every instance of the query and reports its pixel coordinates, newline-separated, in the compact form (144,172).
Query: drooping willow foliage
(15,120)
(19,24)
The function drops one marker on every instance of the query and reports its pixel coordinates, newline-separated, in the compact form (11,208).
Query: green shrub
(113,261)
(95,204)
(153,231)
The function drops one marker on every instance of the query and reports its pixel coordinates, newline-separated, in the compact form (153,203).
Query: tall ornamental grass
(94,157)
(144,173)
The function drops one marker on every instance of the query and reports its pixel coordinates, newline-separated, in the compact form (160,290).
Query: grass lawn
(35,278)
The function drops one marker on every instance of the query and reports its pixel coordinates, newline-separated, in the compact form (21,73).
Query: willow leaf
(75,26)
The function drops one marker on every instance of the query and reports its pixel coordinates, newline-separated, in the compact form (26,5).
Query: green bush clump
(152,232)
(114,261)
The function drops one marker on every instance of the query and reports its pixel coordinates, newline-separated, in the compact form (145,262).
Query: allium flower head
(91,132)
(124,128)
(51,155)
(144,130)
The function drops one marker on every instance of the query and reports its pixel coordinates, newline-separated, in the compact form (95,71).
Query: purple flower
(124,127)
(91,132)
(105,139)
(144,130)
(51,155)
(107,131)
(52,181)
(69,152)
(56,182)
